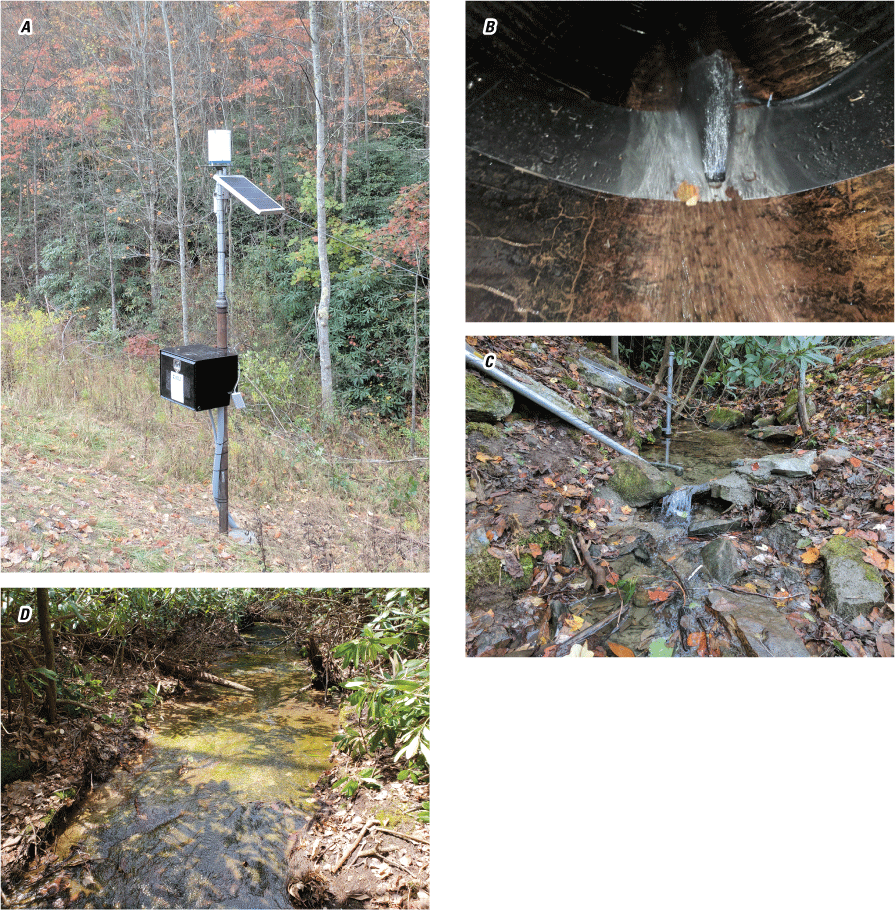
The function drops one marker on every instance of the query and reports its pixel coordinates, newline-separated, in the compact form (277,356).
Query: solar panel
(248,193)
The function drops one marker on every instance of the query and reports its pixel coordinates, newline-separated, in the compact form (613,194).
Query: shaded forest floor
(383,833)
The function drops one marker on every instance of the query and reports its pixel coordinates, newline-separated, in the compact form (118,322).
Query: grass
(99,410)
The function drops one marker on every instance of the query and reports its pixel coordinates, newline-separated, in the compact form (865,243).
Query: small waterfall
(677,507)
(709,97)
(718,119)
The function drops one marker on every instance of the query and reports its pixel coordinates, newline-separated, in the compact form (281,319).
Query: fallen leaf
(481,456)
(545,506)
(810,555)
(625,510)
(875,557)
(620,650)
(855,462)
(580,651)
(659,595)
(574,623)
(687,193)
(534,549)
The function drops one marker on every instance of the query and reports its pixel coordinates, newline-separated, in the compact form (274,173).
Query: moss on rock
(486,400)
(489,430)
(637,482)
(724,418)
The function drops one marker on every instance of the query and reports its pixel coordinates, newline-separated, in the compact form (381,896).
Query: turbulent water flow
(676,510)
(713,91)
(204,821)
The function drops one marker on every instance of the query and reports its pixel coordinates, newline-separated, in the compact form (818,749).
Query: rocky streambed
(749,549)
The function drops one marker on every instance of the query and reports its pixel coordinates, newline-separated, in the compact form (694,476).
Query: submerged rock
(775,434)
(724,418)
(723,560)
(852,586)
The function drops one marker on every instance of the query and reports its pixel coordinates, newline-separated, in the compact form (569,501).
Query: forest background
(109,247)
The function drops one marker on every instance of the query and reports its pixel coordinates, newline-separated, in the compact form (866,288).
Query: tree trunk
(323,309)
(363,80)
(706,357)
(684,358)
(801,404)
(414,360)
(46,636)
(181,230)
(614,347)
(190,674)
(326,671)
(346,88)
(661,372)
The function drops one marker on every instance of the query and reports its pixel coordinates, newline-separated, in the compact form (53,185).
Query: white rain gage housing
(219,147)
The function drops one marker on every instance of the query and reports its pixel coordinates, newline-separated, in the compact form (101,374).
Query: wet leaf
(620,650)
(580,651)
(659,595)
(659,648)
(574,623)
(512,565)
(687,193)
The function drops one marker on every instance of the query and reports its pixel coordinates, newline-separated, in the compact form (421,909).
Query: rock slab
(761,629)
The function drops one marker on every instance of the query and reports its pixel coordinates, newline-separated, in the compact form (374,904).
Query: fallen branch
(370,823)
(579,637)
(598,574)
(413,837)
(190,674)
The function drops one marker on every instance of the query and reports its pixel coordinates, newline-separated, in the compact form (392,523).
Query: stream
(203,820)
(703,454)
(706,454)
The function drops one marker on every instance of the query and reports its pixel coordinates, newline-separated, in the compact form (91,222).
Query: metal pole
(221,459)
(668,431)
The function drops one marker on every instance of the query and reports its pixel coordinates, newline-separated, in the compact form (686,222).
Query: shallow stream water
(706,454)
(203,822)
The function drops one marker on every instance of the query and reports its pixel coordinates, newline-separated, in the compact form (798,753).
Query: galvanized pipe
(219,475)
(668,430)
(515,385)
